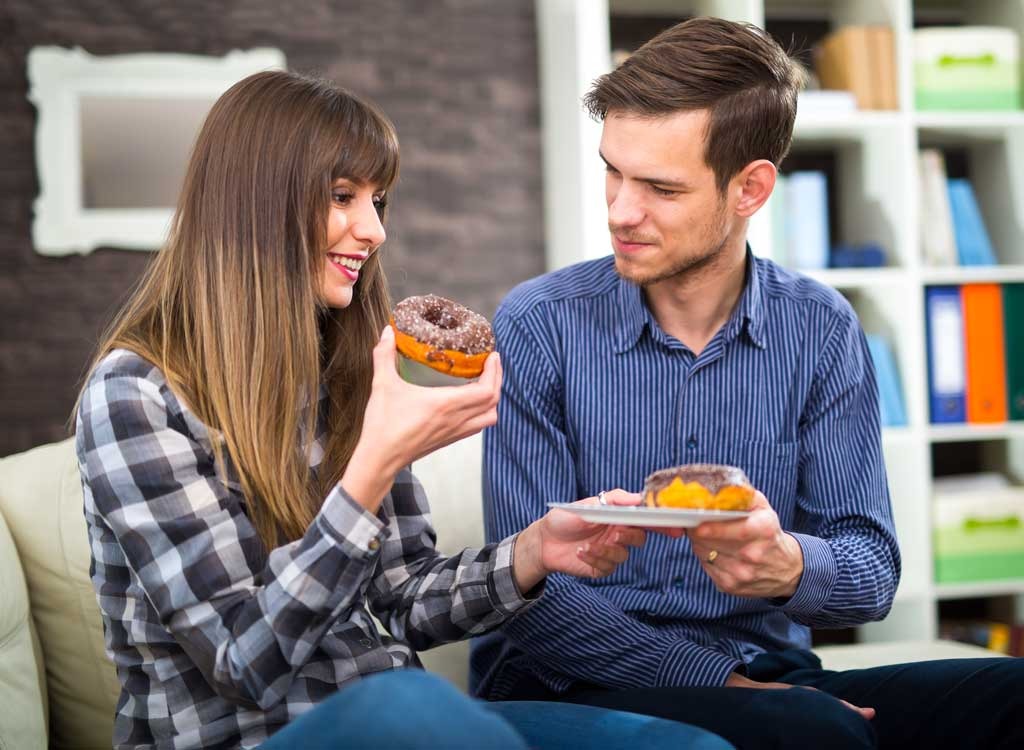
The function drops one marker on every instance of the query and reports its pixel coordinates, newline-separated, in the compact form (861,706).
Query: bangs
(369,153)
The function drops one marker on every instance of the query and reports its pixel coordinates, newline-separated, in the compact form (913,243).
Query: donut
(442,334)
(706,486)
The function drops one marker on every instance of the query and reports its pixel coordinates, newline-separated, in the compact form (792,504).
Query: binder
(1013,325)
(985,352)
(973,246)
(806,206)
(947,378)
(890,394)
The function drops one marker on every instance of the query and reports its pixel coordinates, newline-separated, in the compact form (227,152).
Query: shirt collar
(749,314)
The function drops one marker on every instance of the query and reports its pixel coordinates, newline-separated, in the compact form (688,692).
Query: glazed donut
(705,486)
(442,334)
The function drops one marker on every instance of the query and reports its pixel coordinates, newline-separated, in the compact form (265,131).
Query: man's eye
(661,191)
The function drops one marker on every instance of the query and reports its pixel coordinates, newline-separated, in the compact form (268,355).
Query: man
(684,348)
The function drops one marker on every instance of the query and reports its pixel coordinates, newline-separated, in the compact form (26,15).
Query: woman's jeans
(413,710)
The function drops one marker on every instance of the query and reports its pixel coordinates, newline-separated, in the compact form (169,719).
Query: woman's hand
(404,422)
(563,542)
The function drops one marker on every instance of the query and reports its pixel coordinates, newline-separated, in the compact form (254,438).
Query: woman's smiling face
(354,232)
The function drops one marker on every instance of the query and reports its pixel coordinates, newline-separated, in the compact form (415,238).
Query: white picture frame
(60,79)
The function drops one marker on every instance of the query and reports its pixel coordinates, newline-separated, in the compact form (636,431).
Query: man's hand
(750,556)
(738,680)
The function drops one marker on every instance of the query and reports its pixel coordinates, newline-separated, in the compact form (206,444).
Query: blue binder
(973,245)
(947,373)
(890,394)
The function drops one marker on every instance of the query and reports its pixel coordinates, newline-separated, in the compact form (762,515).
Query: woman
(243,439)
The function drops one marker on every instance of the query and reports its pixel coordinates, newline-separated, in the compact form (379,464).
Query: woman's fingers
(384,354)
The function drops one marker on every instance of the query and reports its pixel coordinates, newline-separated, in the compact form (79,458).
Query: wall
(458,77)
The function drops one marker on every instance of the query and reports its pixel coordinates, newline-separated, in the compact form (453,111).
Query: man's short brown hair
(736,71)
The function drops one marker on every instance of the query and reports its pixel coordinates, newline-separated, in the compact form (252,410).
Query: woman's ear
(756,182)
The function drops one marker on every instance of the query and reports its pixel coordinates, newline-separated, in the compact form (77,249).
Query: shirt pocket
(771,466)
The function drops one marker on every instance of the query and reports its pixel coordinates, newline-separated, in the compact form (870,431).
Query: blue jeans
(413,710)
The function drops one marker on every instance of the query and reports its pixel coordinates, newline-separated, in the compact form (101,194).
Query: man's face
(665,213)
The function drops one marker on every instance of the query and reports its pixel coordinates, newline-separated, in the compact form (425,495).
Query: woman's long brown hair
(230,309)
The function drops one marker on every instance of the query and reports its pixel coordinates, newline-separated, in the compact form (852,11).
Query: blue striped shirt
(596,395)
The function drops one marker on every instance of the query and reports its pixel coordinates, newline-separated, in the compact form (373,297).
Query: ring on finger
(712,556)
(601,498)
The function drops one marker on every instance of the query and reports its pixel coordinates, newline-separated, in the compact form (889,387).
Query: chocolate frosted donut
(442,334)
(707,486)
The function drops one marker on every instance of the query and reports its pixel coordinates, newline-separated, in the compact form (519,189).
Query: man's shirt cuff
(817,580)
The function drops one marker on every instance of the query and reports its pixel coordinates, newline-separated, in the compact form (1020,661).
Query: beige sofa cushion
(22,690)
(451,478)
(41,499)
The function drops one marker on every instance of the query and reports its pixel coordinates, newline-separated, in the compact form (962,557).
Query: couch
(57,687)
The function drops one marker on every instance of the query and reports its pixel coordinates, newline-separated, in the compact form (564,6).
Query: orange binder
(985,352)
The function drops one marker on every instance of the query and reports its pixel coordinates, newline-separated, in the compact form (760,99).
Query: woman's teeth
(350,263)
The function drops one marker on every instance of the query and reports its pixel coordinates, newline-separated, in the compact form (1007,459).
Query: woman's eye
(341,198)
(380,203)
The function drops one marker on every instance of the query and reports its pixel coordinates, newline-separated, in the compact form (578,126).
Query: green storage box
(979,537)
(966,68)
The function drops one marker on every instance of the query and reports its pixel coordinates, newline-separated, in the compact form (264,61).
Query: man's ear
(755,184)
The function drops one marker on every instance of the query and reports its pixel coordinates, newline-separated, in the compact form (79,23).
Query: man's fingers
(867,713)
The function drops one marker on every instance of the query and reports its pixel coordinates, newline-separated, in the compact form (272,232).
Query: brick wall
(458,77)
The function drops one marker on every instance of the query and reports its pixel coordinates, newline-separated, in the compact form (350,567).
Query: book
(1013,338)
(883,67)
(806,224)
(973,246)
(938,243)
(860,59)
(947,379)
(845,64)
(985,353)
(890,394)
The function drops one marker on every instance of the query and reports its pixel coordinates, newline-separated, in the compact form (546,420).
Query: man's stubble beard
(689,265)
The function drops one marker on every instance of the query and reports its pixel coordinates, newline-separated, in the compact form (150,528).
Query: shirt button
(691,443)
(679,581)
(373,544)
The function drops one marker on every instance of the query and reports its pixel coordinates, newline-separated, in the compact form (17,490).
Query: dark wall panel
(458,77)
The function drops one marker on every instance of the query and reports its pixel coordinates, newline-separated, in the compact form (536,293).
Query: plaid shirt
(217,642)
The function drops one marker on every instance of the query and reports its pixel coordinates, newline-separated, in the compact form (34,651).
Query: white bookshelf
(877,200)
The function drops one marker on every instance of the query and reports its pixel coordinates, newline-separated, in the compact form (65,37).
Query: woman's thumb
(384,351)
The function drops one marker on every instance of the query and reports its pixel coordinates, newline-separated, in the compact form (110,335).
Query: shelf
(958,125)
(895,436)
(858,278)
(824,126)
(870,159)
(979,589)
(973,275)
(962,433)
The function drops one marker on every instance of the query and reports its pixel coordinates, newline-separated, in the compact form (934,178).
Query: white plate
(642,515)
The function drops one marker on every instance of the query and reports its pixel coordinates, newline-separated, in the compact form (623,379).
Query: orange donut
(442,335)
(705,486)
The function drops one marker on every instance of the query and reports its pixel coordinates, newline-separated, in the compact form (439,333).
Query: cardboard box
(966,68)
(979,536)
